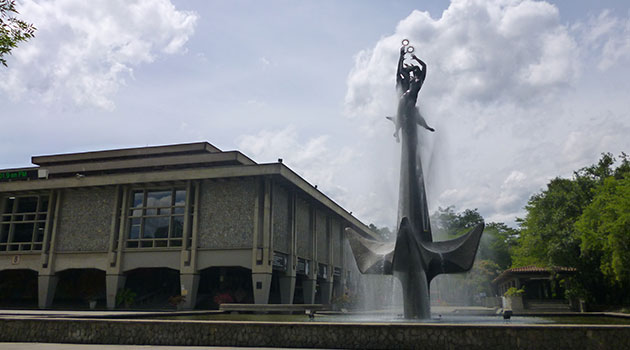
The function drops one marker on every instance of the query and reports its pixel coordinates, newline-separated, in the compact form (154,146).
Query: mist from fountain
(415,258)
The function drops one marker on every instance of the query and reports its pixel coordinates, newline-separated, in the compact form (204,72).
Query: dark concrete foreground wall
(316,335)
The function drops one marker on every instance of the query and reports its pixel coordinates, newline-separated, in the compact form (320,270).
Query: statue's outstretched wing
(456,255)
(372,257)
(452,256)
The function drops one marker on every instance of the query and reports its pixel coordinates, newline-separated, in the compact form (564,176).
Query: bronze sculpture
(415,259)
(406,76)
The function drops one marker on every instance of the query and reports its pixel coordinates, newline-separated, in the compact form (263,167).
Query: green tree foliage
(604,230)
(479,279)
(582,222)
(493,254)
(12,30)
(448,224)
(497,244)
(548,236)
(497,239)
(385,233)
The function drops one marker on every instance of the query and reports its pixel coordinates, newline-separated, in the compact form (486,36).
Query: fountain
(414,258)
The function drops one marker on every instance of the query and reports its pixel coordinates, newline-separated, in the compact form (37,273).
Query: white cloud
(314,159)
(477,52)
(510,94)
(83,51)
(608,37)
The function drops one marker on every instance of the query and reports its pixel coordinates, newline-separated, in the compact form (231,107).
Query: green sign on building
(18,175)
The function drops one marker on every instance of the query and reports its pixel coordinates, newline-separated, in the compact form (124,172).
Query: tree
(547,237)
(497,243)
(493,255)
(449,224)
(384,232)
(12,30)
(604,229)
(579,222)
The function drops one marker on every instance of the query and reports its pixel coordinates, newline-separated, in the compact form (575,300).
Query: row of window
(155,219)
(22,223)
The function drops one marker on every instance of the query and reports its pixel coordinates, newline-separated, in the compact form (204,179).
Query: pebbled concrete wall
(315,334)
(337,243)
(304,238)
(226,213)
(281,219)
(85,219)
(322,237)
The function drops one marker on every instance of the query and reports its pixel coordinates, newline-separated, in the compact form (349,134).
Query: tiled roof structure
(533,269)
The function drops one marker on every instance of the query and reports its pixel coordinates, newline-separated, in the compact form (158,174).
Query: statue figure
(414,258)
(409,80)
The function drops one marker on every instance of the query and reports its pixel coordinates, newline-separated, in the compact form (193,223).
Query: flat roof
(125,153)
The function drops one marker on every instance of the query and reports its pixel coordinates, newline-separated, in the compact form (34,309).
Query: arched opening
(319,290)
(298,296)
(18,289)
(80,288)
(149,288)
(274,289)
(219,285)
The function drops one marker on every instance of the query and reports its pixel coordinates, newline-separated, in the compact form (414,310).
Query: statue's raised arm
(402,73)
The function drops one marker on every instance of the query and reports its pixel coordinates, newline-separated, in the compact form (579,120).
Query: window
(156,218)
(22,223)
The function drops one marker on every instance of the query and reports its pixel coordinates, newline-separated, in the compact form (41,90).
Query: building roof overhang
(164,164)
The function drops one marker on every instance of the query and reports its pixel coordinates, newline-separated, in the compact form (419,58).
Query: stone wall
(281,219)
(226,213)
(304,239)
(315,334)
(85,219)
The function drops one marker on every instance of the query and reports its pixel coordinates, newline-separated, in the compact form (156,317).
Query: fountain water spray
(415,259)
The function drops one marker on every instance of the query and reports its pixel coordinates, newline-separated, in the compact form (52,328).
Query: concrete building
(186,219)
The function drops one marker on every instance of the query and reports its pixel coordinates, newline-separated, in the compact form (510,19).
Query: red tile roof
(532,269)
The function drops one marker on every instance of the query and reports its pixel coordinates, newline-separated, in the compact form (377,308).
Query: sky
(519,91)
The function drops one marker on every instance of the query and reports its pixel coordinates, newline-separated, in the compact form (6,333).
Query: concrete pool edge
(314,334)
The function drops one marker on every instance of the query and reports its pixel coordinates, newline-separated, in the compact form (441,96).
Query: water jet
(414,258)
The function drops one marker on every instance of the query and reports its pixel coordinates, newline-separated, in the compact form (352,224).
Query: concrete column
(326,289)
(287,289)
(261,283)
(309,287)
(46,290)
(287,281)
(113,283)
(190,285)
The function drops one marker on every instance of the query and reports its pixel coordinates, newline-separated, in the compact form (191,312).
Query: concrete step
(548,306)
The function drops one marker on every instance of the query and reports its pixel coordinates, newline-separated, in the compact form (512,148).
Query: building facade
(188,219)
